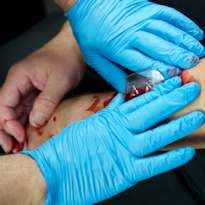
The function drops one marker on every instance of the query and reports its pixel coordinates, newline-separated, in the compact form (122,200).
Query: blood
(53,134)
(187,77)
(95,106)
(16,147)
(107,102)
(137,92)
(39,132)
(54,119)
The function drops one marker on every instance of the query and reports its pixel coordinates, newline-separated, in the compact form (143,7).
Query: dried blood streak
(187,77)
(54,119)
(95,106)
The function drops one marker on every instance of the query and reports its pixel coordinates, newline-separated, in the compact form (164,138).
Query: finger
(11,124)
(178,19)
(162,108)
(15,88)
(5,141)
(176,36)
(47,101)
(112,73)
(159,90)
(155,165)
(153,140)
(164,51)
(117,101)
(137,62)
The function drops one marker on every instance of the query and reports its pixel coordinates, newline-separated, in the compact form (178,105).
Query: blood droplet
(186,77)
(54,119)
(39,132)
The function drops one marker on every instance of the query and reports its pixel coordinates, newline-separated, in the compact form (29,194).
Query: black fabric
(181,186)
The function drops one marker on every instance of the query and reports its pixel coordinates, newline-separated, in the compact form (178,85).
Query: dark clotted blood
(54,119)
(137,92)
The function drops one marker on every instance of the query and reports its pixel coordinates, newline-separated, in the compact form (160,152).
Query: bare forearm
(66,48)
(21,181)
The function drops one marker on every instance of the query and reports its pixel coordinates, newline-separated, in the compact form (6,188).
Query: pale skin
(35,86)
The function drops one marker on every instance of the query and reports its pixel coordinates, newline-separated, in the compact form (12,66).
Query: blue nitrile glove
(105,154)
(135,34)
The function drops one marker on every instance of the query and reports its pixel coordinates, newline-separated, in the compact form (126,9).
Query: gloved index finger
(159,90)
(162,108)
(152,140)
(155,165)
(181,21)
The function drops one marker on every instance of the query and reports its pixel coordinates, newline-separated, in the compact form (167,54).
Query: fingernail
(193,89)
(37,119)
(202,53)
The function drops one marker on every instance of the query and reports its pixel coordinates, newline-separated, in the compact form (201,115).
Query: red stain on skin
(187,77)
(95,106)
(16,147)
(39,132)
(54,119)
(53,134)
(137,92)
(107,102)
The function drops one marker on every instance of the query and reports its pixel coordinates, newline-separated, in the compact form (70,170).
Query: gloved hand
(105,154)
(135,34)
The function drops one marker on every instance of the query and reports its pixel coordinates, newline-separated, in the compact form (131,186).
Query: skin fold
(80,107)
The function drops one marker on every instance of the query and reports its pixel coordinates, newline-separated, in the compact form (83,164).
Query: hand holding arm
(35,86)
(106,154)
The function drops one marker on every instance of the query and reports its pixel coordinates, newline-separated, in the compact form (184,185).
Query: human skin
(80,107)
(16,184)
(36,84)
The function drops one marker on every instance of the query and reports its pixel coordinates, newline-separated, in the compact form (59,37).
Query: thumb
(47,101)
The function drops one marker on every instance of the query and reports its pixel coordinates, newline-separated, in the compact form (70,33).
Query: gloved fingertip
(183,155)
(200,35)
(191,61)
(193,89)
(200,116)
(202,54)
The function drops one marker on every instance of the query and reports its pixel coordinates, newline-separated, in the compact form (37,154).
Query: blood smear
(187,77)
(136,86)
(95,106)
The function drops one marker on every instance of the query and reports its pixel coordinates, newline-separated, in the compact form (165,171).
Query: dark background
(18,16)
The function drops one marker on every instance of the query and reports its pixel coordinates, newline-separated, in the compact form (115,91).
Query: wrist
(65,45)
(65,5)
